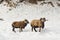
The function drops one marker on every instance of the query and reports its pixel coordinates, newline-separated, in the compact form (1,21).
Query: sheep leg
(39,29)
(35,30)
(13,29)
(32,28)
(42,27)
(20,30)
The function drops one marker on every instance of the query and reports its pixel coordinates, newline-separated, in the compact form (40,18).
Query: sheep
(19,24)
(38,24)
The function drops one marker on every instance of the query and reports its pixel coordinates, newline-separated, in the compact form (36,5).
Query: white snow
(30,12)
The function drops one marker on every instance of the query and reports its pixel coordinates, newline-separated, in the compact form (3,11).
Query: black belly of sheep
(19,24)
(38,24)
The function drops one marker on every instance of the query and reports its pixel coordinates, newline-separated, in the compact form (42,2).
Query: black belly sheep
(38,24)
(19,24)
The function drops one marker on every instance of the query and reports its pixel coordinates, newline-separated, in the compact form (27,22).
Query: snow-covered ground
(30,12)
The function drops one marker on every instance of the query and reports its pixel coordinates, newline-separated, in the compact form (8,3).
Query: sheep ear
(44,18)
(40,18)
(25,19)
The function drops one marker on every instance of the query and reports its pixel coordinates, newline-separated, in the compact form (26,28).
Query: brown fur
(19,24)
(38,24)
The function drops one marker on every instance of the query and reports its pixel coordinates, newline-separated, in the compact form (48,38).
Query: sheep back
(36,23)
(19,24)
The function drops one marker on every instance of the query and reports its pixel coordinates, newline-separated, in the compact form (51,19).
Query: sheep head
(26,21)
(43,19)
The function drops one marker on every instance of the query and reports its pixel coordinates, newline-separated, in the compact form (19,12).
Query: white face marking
(42,20)
(25,22)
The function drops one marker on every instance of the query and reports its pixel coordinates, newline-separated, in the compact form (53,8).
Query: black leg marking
(32,29)
(35,30)
(42,27)
(39,29)
(13,29)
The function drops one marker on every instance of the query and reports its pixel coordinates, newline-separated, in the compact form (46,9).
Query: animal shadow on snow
(43,31)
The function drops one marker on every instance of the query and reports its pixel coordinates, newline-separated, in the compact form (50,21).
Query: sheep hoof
(39,31)
(14,31)
(35,31)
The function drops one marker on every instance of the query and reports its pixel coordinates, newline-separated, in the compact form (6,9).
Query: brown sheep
(19,24)
(38,24)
